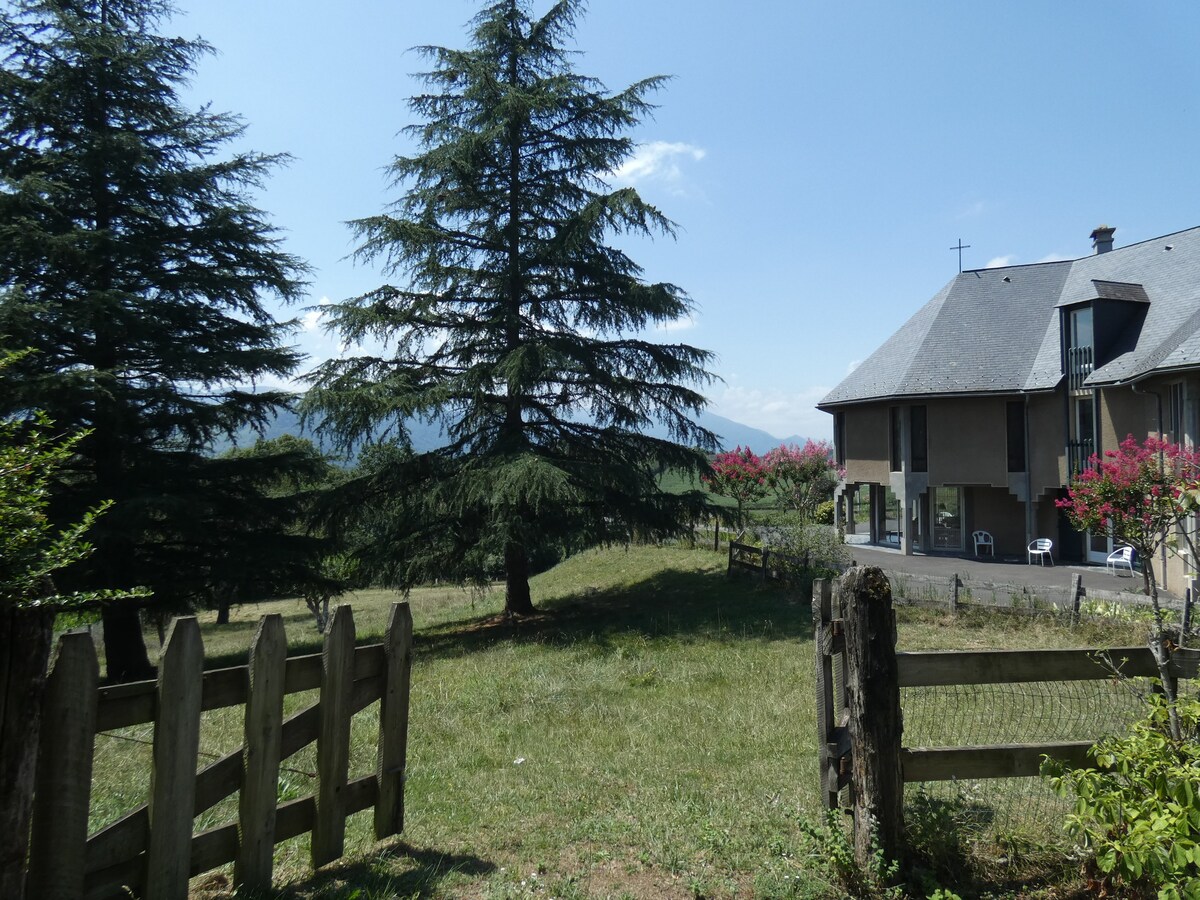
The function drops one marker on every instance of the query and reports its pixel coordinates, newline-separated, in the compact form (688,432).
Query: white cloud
(999,262)
(854,364)
(978,208)
(657,161)
(778,412)
(1054,257)
(685,323)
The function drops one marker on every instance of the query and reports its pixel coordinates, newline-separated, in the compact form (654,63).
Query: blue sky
(819,158)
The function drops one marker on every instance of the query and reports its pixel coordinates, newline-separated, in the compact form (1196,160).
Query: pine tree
(135,265)
(514,324)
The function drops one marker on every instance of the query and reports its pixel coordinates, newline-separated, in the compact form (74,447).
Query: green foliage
(828,848)
(1139,811)
(824,512)
(513,322)
(134,263)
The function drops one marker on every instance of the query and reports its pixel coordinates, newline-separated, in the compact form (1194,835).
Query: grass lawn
(649,735)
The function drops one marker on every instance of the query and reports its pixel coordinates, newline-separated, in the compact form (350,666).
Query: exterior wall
(867,438)
(998,512)
(1047,444)
(968,441)
(1122,413)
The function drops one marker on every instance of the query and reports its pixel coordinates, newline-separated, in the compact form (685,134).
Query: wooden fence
(767,564)
(152,851)
(848,706)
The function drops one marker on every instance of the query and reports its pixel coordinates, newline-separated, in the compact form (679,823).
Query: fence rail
(837,729)
(770,565)
(151,850)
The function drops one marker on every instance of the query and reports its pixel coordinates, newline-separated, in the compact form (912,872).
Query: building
(977,411)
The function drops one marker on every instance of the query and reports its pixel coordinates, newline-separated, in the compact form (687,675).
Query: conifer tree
(512,322)
(134,264)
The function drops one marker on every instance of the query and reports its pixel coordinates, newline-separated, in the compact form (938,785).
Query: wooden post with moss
(875,721)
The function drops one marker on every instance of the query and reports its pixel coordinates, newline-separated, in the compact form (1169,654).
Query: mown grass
(649,734)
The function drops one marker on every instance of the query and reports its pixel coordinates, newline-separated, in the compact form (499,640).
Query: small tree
(31,551)
(741,475)
(804,477)
(1140,495)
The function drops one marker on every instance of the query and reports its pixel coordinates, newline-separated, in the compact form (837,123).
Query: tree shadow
(374,875)
(679,604)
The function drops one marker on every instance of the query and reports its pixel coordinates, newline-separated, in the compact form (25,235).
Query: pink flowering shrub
(739,474)
(1141,495)
(1138,494)
(804,477)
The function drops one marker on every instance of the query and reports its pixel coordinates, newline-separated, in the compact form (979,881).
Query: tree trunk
(223,609)
(125,656)
(517,601)
(25,639)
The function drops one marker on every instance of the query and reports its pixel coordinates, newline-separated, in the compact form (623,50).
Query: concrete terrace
(1006,571)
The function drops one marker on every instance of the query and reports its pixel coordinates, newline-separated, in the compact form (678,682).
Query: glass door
(947,518)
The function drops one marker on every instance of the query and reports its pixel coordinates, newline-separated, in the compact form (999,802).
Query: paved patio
(1003,570)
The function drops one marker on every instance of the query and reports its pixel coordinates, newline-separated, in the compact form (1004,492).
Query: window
(1083,442)
(919,439)
(1174,423)
(1080,352)
(1015,414)
(894,448)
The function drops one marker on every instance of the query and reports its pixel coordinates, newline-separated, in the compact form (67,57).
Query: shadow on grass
(373,876)
(673,603)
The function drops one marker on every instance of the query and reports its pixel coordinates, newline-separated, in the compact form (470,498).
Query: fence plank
(393,723)
(822,604)
(64,771)
(333,742)
(987,761)
(260,759)
(173,776)
(947,667)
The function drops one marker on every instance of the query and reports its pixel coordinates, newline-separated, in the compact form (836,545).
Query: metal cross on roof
(960,248)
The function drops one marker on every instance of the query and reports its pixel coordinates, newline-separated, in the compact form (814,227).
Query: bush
(1139,812)
(824,512)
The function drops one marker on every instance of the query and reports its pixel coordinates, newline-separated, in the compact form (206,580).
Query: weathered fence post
(64,772)
(260,756)
(393,723)
(173,776)
(954,594)
(333,744)
(1076,597)
(875,719)
(766,565)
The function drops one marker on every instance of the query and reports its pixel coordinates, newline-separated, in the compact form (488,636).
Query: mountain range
(426,436)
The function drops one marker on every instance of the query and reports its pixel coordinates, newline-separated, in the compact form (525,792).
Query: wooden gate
(152,850)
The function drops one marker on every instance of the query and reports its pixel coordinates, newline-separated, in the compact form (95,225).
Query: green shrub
(1139,812)
(824,513)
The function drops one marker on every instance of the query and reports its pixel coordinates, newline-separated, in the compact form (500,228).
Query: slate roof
(995,331)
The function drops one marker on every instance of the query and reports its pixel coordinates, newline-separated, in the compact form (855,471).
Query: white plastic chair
(1040,548)
(1122,557)
(983,539)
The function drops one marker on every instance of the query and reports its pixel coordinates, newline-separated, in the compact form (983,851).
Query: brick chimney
(1102,239)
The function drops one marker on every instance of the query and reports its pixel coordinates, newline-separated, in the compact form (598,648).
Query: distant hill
(427,436)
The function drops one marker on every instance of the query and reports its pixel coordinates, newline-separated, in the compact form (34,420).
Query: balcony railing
(1080,364)
(1078,455)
